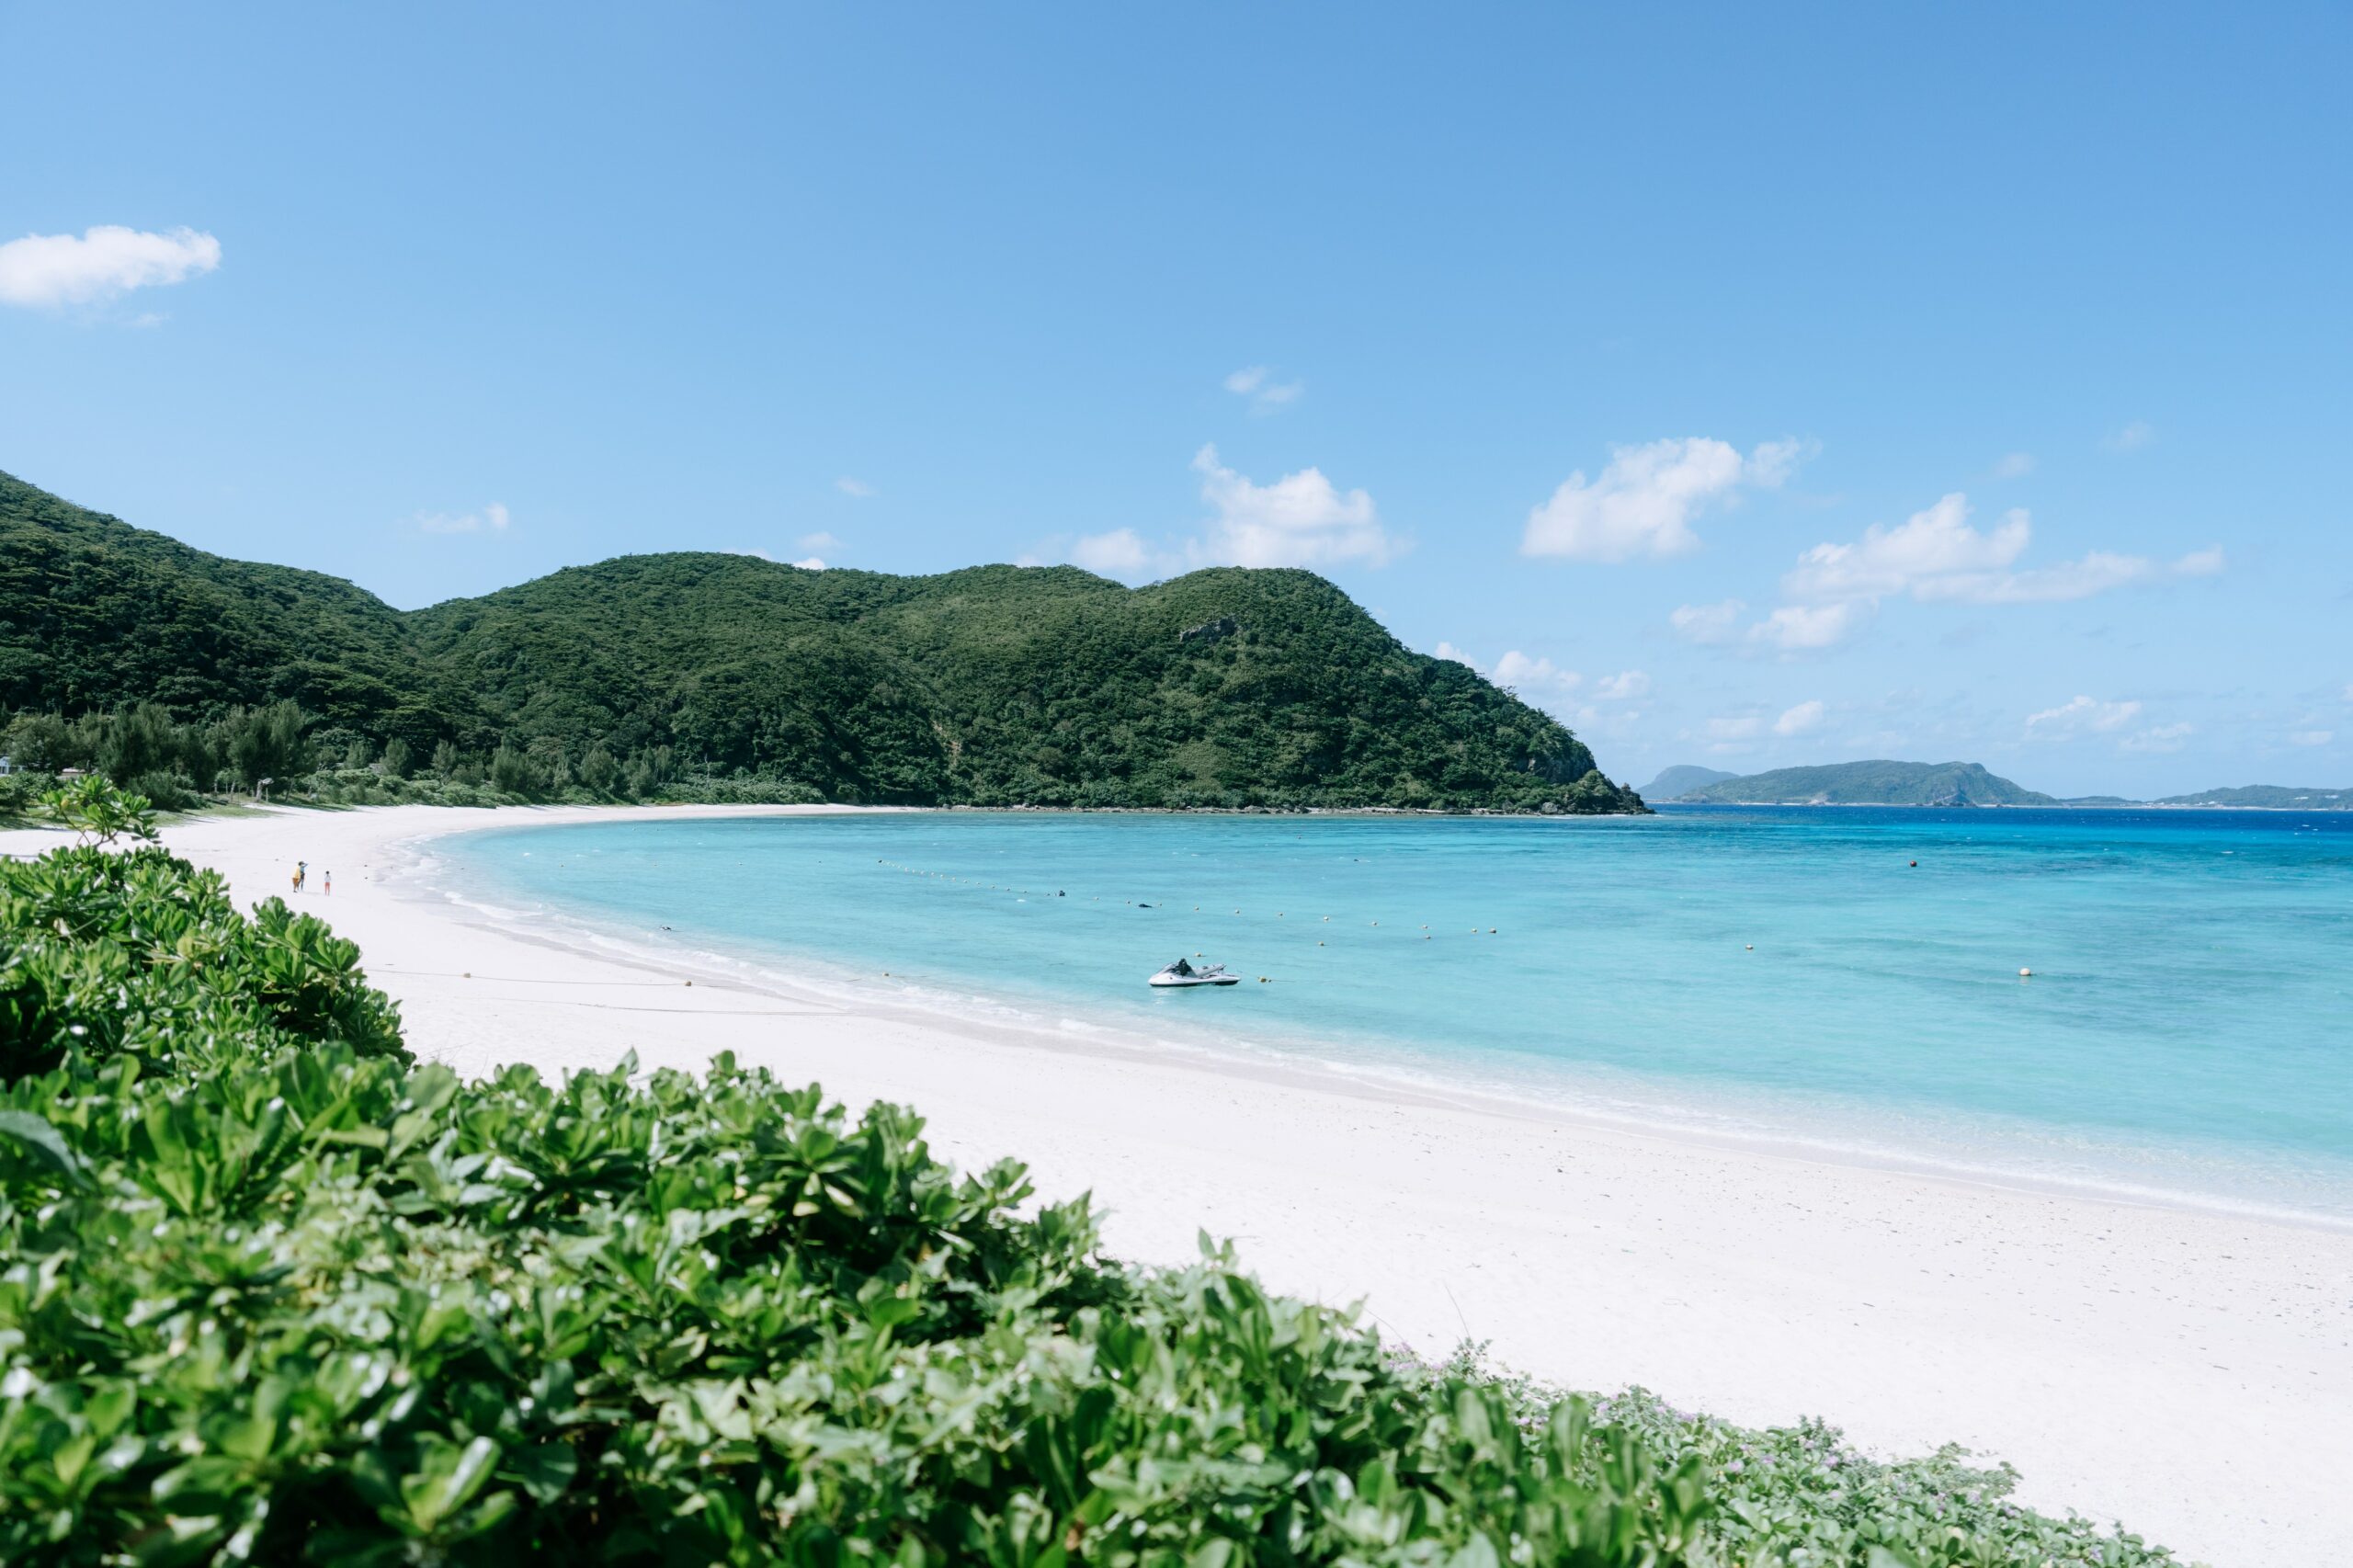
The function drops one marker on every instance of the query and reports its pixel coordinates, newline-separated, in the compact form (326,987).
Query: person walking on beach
(301,871)
(326,882)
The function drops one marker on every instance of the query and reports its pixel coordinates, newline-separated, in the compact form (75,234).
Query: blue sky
(1750,386)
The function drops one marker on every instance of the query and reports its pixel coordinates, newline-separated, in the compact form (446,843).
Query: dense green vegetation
(1870,784)
(271,1293)
(696,677)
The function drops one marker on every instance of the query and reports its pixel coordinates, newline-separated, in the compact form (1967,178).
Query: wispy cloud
(1708,625)
(1937,555)
(1301,519)
(1522,673)
(811,563)
(490,519)
(1801,720)
(1265,395)
(2158,738)
(2014,465)
(818,541)
(856,489)
(1644,501)
(1119,553)
(2310,737)
(1798,629)
(2132,438)
(2082,715)
(1623,687)
(1734,732)
(100,264)
(1527,674)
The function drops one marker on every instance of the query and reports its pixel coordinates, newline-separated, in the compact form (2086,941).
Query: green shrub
(270,1293)
(132,952)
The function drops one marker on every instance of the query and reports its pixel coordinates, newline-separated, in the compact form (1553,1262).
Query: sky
(1748,386)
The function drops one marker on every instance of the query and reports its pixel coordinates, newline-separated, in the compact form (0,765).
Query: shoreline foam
(2183,1370)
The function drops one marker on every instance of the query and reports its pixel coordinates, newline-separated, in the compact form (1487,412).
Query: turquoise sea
(1785,974)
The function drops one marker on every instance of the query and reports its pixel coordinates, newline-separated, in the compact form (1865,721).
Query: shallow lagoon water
(1786,973)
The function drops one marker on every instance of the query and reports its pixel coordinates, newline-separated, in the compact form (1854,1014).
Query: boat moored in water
(1182,972)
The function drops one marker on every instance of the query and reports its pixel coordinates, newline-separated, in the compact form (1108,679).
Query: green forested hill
(698,672)
(1872,784)
(98,615)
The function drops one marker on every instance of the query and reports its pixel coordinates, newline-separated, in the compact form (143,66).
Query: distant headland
(1885,783)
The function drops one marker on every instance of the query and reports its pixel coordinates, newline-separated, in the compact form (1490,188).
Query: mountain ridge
(1673,781)
(989,685)
(1878,782)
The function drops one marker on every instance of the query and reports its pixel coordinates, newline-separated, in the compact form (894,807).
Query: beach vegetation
(273,1291)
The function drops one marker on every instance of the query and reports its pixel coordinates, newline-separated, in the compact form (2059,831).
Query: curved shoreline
(2180,1368)
(1018,1021)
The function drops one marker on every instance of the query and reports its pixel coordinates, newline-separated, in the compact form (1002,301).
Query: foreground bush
(269,1292)
(104,951)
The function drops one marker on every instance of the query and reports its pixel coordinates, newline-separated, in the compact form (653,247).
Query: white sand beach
(2187,1372)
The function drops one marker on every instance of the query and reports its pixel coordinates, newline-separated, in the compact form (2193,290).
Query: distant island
(2268,797)
(1940,784)
(724,678)
(1878,783)
(1673,783)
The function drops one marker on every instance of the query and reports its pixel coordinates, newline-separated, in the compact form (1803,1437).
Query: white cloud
(1931,544)
(2162,737)
(2014,465)
(1623,686)
(2310,737)
(2132,438)
(491,518)
(1299,520)
(2096,572)
(105,261)
(1256,382)
(2086,714)
(1119,553)
(1707,624)
(811,563)
(1520,673)
(819,541)
(1645,499)
(1803,628)
(1936,556)
(2348,693)
(856,489)
(1803,719)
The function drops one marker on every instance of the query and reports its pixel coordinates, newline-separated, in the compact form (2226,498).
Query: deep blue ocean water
(1787,973)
